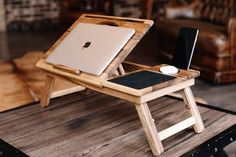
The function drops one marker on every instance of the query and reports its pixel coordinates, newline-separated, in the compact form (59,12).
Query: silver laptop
(90,48)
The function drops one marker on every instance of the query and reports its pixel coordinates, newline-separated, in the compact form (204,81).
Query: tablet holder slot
(109,23)
(110,18)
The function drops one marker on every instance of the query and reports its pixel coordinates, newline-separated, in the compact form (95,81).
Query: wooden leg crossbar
(155,138)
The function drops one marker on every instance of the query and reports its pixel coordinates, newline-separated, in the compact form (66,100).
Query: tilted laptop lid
(90,48)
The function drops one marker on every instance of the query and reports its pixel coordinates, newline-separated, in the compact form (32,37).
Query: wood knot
(187,107)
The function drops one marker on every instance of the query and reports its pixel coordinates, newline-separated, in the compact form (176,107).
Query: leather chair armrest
(188,11)
(232,39)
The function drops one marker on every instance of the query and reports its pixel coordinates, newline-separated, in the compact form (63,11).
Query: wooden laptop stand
(185,79)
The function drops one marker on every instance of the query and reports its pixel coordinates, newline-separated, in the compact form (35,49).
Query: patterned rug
(21,82)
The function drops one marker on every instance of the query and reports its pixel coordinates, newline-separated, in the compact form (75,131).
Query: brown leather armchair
(215,53)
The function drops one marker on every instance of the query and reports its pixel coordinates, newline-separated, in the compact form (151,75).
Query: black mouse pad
(141,79)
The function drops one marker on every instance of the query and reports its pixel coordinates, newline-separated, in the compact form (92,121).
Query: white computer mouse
(169,70)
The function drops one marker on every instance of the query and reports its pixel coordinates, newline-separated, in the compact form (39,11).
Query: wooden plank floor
(100,125)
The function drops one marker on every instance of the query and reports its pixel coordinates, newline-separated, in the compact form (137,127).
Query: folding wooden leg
(47,91)
(193,109)
(121,69)
(149,128)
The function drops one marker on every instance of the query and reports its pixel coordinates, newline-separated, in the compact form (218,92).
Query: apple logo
(86,45)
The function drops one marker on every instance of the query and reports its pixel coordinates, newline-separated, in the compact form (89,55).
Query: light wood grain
(67,91)
(83,77)
(47,91)
(149,128)
(191,106)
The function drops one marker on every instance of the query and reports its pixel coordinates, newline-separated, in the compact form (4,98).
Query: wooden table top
(101,125)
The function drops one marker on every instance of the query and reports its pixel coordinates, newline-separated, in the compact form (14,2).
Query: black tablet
(184,48)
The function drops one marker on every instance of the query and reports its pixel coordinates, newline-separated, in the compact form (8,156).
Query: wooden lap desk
(185,79)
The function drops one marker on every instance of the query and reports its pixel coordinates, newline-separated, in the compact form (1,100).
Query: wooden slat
(67,91)
(95,81)
(130,66)
(176,128)
(186,74)
(126,19)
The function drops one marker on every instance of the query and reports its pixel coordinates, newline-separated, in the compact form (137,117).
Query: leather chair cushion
(212,39)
